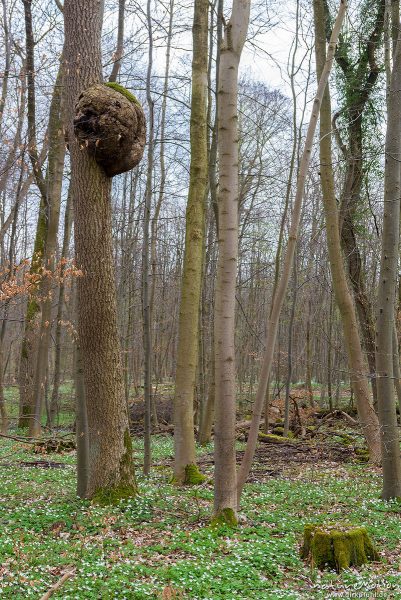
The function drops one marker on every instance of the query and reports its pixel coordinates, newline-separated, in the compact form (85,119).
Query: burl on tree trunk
(337,547)
(110,124)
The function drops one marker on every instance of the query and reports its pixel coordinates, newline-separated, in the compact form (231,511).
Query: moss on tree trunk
(336,547)
(225,517)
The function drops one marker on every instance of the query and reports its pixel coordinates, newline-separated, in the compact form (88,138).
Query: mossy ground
(276,439)
(162,539)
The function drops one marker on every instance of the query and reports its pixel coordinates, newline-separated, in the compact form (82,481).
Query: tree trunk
(360,77)
(188,326)
(54,402)
(282,287)
(225,498)
(390,439)
(110,455)
(290,345)
(54,179)
(120,42)
(367,416)
(82,433)
(146,313)
(308,376)
(329,353)
(30,342)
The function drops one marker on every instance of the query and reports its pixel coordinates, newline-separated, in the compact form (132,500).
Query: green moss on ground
(362,454)
(280,432)
(275,439)
(122,90)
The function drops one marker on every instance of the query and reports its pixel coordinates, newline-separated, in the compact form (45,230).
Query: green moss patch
(193,476)
(271,438)
(114,495)
(225,517)
(122,90)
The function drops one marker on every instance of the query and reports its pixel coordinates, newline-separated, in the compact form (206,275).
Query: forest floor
(160,544)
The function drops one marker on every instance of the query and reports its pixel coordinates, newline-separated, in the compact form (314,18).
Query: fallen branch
(344,415)
(20,439)
(58,584)
(31,440)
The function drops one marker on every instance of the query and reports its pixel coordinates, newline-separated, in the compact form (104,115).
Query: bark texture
(110,456)
(188,328)
(110,124)
(278,300)
(359,382)
(390,438)
(225,497)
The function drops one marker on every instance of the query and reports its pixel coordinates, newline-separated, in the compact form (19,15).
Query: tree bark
(54,402)
(188,327)
(367,416)
(360,78)
(54,179)
(120,42)
(110,465)
(146,313)
(225,500)
(282,287)
(390,439)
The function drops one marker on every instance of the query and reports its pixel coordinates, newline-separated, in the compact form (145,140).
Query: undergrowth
(161,542)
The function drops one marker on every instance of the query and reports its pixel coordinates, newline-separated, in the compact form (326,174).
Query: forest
(200,299)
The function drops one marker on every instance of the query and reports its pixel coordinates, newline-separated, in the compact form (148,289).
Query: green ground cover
(160,544)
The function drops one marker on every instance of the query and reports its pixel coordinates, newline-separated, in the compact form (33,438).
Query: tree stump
(110,125)
(337,547)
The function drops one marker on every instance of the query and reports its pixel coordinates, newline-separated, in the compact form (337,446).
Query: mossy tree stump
(336,547)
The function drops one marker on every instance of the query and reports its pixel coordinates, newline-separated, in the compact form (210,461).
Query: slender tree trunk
(290,346)
(163,175)
(7,62)
(54,402)
(296,136)
(120,42)
(188,327)
(308,376)
(3,409)
(288,259)
(225,500)
(30,340)
(390,438)
(342,294)
(54,179)
(396,366)
(329,354)
(110,464)
(147,332)
(206,424)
